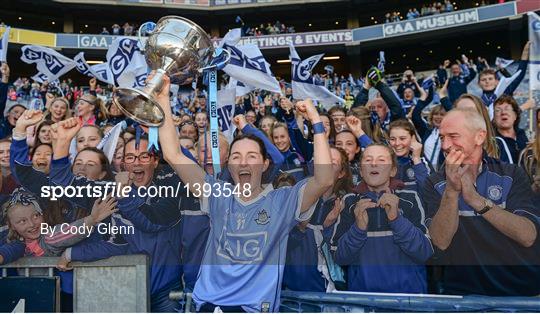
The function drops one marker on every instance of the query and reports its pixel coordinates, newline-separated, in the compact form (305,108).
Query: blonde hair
(529,155)
(47,114)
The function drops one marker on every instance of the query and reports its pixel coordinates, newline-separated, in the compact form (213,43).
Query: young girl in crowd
(381,235)
(88,136)
(347,141)
(58,110)
(266,124)
(413,169)
(90,109)
(294,162)
(24,217)
(284,207)
(307,264)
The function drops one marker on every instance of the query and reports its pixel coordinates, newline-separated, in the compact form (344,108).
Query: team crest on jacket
(495,192)
(262,218)
(410,173)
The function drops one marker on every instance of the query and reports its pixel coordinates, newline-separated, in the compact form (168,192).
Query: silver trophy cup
(177,47)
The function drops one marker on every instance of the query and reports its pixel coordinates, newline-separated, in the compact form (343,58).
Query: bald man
(481,216)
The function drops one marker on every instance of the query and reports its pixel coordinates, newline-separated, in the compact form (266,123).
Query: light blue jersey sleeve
(291,197)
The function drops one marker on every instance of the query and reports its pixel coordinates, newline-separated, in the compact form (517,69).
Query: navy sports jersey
(480,259)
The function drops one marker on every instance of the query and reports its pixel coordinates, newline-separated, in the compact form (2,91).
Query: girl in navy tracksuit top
(381,235)
(413,169)
(307,265)
(294,163)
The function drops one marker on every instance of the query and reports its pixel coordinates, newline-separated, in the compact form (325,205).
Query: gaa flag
(126,63)
(304,85)
(534,52)
(225,109)
(50,63)
(110,140)
(247,64)
(4,45)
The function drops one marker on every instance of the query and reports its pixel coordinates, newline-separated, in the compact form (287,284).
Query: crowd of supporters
(415,189)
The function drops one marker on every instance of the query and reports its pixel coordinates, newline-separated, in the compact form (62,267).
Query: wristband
(318,128)
(18,136)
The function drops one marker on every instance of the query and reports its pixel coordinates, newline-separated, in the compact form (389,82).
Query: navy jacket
(510,148)
(481,259)
(413,176)
(388,256)
(458,85)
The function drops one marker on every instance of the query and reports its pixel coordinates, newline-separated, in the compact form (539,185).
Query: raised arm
(242,124)
(323,174)
(20,164)
(189,171)
(4,71)
(61,238)
(522,67)
(391,100)
(355,125)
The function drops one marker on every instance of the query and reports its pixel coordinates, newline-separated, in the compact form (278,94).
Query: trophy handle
(139,32)
(218,65)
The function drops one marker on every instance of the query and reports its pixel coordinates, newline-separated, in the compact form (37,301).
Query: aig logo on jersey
(242,247)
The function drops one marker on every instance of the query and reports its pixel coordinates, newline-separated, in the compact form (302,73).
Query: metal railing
(116,284)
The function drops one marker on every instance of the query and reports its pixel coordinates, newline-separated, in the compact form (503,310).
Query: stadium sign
(264,42)
(432,22)
(436,22)
(84,41)
(300,39)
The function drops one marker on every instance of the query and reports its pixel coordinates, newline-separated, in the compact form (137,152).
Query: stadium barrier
(116,284)
(121,284)
(316,302)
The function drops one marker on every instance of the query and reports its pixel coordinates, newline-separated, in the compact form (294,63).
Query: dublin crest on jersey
(262,217)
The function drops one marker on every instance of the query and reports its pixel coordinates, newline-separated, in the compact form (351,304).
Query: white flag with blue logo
(4,45)
(49,62)
(534,52)
(126,63)
(110,140)
(304,85)
(226,107)
(240,88)
(100,71)
(247,64)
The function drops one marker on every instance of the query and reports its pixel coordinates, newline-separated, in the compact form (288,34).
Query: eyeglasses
(499,110)
(144,158)
(86,101)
